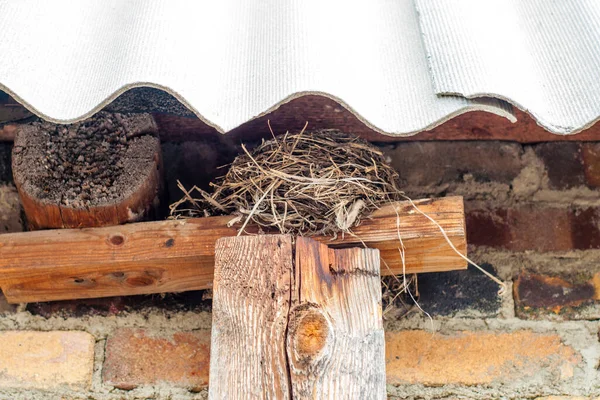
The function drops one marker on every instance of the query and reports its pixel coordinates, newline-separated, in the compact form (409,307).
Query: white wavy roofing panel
(541,55)
(400,67)
(229,61)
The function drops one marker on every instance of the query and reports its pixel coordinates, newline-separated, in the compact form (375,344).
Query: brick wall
(533,214)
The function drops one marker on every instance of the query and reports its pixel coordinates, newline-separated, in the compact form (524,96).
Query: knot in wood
(311,334)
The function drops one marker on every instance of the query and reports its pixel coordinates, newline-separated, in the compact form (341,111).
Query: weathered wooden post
(106,174)
(296,325)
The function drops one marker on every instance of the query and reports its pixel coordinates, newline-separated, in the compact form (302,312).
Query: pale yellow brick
(475,358)
(46,360)
(567,398)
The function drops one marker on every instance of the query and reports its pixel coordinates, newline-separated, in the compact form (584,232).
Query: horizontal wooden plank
(178,255)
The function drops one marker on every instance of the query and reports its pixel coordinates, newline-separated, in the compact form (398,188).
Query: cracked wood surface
(136,204)
(309,330)
(251,300)
(336,343)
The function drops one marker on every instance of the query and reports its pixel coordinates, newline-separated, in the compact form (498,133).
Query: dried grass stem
(306,183)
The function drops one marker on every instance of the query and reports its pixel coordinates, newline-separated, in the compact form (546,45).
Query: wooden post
(140,182)
(312,330)
(251,301)
(336,344)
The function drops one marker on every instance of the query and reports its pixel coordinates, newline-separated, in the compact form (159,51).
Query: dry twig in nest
(322,182)
(395,295)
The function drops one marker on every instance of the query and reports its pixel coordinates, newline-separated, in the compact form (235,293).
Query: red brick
(46,360)
(585,229)
(488,228)
(520,229)
(137,357)
(535,228)
(545,229)
(476,358)
(537,294)
(435,163)
(564,164)
(591,160)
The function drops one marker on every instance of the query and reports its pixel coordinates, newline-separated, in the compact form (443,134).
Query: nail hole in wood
(170,242)
(117,240)
(78,280)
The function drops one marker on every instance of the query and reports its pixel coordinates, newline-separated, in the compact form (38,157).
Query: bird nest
(308,183)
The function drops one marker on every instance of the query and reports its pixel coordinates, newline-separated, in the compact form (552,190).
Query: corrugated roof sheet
(231,61)
(541,55)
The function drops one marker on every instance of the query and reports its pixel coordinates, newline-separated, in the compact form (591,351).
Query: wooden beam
(12,111)
(324,312)
(323,113)
(8,132)
(176,256)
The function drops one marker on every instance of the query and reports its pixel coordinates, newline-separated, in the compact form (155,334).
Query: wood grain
(176,256)
(251,299)
(329,345)
(336,345)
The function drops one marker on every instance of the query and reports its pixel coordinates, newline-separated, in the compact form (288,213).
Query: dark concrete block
(447,293)
(5,162)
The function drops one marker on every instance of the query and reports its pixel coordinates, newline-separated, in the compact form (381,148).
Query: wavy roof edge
(489,105)
(401,67)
